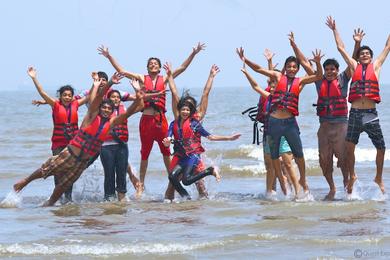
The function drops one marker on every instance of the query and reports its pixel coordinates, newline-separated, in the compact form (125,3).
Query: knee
(381,151)
(186,182)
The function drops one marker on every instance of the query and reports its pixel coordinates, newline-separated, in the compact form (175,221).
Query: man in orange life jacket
(73,160)
(363,96)
(65,118)
(153,124)
(282,121)
(332,111)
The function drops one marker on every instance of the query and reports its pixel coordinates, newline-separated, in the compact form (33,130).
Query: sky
(60,38)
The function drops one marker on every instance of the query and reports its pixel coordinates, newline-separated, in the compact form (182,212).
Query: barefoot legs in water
(380,157)
(22,183)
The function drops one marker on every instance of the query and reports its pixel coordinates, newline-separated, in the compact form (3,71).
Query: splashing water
(12,200)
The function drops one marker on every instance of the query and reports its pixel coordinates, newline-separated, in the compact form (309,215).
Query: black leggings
(188,177)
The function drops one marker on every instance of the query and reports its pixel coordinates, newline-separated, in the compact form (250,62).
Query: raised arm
(256,67)
(98,91)
(187,62)
(172,86)
(204,101)
(33,74)
(382,57)
(254,84)
(358,35)
(268,54)
(300,56)
(104,51)
(135,107)
(319,73)
(331,23)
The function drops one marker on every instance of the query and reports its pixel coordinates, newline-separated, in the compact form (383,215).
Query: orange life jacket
(90,138)
(65,122)
(331,101)
(187,141)
(157,103)
(120,131)
(285,97)
(364,84)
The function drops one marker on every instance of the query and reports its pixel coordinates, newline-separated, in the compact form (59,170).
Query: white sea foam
(257,169)
(12,200)
(103,249)
(311,154)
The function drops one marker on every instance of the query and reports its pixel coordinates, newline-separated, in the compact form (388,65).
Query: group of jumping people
(338,134)
(104,129)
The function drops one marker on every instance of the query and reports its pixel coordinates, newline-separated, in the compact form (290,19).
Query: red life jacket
(157,103)
(189,141)
(65,123)
(331,101)
(364,85)
(285,98)
(262,112)
(89,139)
(120,131)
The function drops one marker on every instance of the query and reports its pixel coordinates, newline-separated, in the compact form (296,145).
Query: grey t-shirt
(343,80)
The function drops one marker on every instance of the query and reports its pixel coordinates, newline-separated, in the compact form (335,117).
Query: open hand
(331,23)
(358,35)
(317,56)
(168,68)
(214,70)
(116,78)
(198,47)
(103,51)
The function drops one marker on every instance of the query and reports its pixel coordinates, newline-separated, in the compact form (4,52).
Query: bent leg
(174,179)
(22,183)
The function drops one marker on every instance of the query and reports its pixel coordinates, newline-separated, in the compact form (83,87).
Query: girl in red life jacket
(65,117)
(187,132)
(201,110)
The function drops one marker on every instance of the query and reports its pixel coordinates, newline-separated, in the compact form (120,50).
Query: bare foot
(20,185)
(121,196)
(139,190)
(304,185)
(350,184)
(216,174)
(380,184)
(330,195)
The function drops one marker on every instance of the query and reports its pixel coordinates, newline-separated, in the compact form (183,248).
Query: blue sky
(60,38)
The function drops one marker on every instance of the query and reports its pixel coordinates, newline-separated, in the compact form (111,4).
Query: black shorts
(365,120)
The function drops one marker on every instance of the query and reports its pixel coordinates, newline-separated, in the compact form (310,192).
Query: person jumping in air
(363,96)
(70,163)
(187,132)
(153,123)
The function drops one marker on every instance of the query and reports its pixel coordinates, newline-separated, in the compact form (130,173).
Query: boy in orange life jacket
(153,123)
(332,110)
(199,115)
(65,118)
(69,164)
(187,132)
(363,96)
(125,96)
(282,120)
